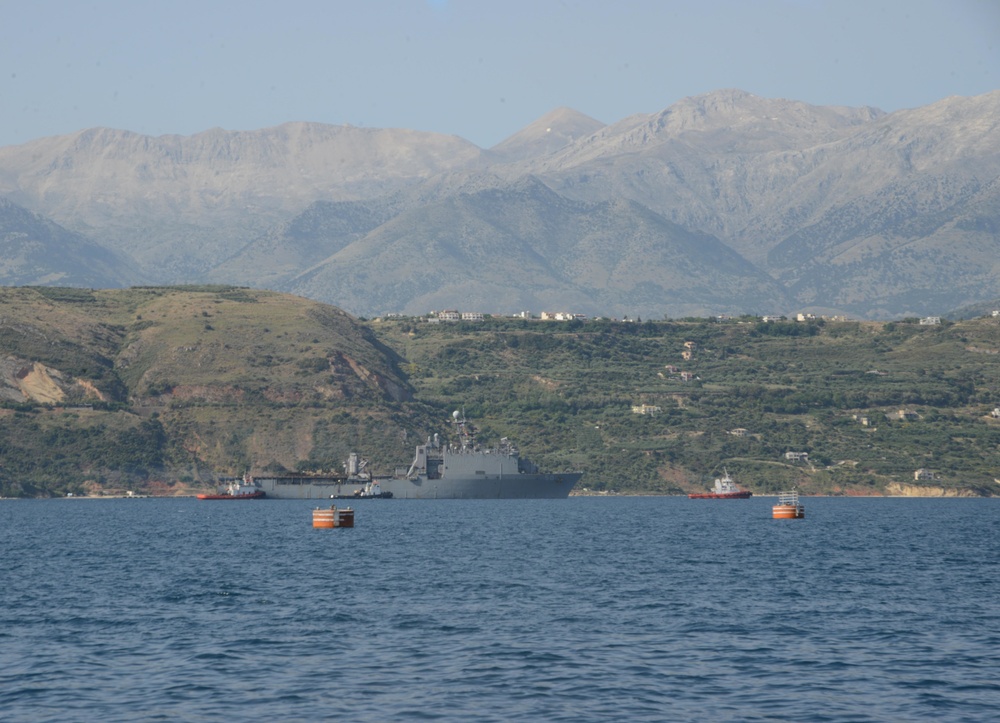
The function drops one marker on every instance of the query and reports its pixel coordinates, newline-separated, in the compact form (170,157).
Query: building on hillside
(797,456)
(449,315)
(671,369)
(995,413)
(906,415)
(646,409)
(930,321)
(924,474)
(687,355)
(738,432)
(687,376)
(472,316)
(690,345)
(805,317)
(770,318)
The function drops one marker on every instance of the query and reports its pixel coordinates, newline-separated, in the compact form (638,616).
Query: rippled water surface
(583,609)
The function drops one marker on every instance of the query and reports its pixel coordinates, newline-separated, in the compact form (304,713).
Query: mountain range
(724,203)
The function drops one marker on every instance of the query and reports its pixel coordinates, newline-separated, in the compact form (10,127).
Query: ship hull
(516,486)
(509,487)
(251,496)
(720,495)
(309,488)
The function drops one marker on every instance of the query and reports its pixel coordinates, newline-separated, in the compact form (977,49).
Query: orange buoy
(788,507)
(333,517)
(323,518)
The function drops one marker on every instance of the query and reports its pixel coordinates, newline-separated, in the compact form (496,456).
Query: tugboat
(725,489)
(358,475)
(371,490)
(242,489)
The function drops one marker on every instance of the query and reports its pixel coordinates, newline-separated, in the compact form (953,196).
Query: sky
(481,70)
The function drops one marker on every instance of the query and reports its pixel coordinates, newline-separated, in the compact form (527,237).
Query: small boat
(371,490)
(242,489)
(788,507)
(725,489)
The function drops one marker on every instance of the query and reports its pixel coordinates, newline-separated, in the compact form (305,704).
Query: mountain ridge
(771,179)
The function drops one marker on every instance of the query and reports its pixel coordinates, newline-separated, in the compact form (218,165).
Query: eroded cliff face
(899,489)
(23,380)
(382,384)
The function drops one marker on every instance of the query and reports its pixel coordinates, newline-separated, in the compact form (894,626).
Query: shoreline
(193,495)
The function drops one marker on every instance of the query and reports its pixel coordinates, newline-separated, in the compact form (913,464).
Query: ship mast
(466,432)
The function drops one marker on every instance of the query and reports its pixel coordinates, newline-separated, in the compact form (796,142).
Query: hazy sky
(481,70)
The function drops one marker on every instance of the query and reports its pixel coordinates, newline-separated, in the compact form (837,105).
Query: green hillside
(567,391)
(165,389)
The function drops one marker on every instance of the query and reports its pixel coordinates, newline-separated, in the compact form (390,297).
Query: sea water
(585,609)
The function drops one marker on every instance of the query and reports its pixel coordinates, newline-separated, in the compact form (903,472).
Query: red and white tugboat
(725,489)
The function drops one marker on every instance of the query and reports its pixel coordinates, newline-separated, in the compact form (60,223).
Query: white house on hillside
(645,409)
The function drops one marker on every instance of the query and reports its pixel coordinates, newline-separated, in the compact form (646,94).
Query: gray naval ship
(458,470)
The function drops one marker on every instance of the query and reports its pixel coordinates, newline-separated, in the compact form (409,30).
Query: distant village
(454,315)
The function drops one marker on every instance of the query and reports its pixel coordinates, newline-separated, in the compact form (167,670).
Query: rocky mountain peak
(552,132)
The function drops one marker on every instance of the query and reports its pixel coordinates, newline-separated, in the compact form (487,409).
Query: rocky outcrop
(899,489)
